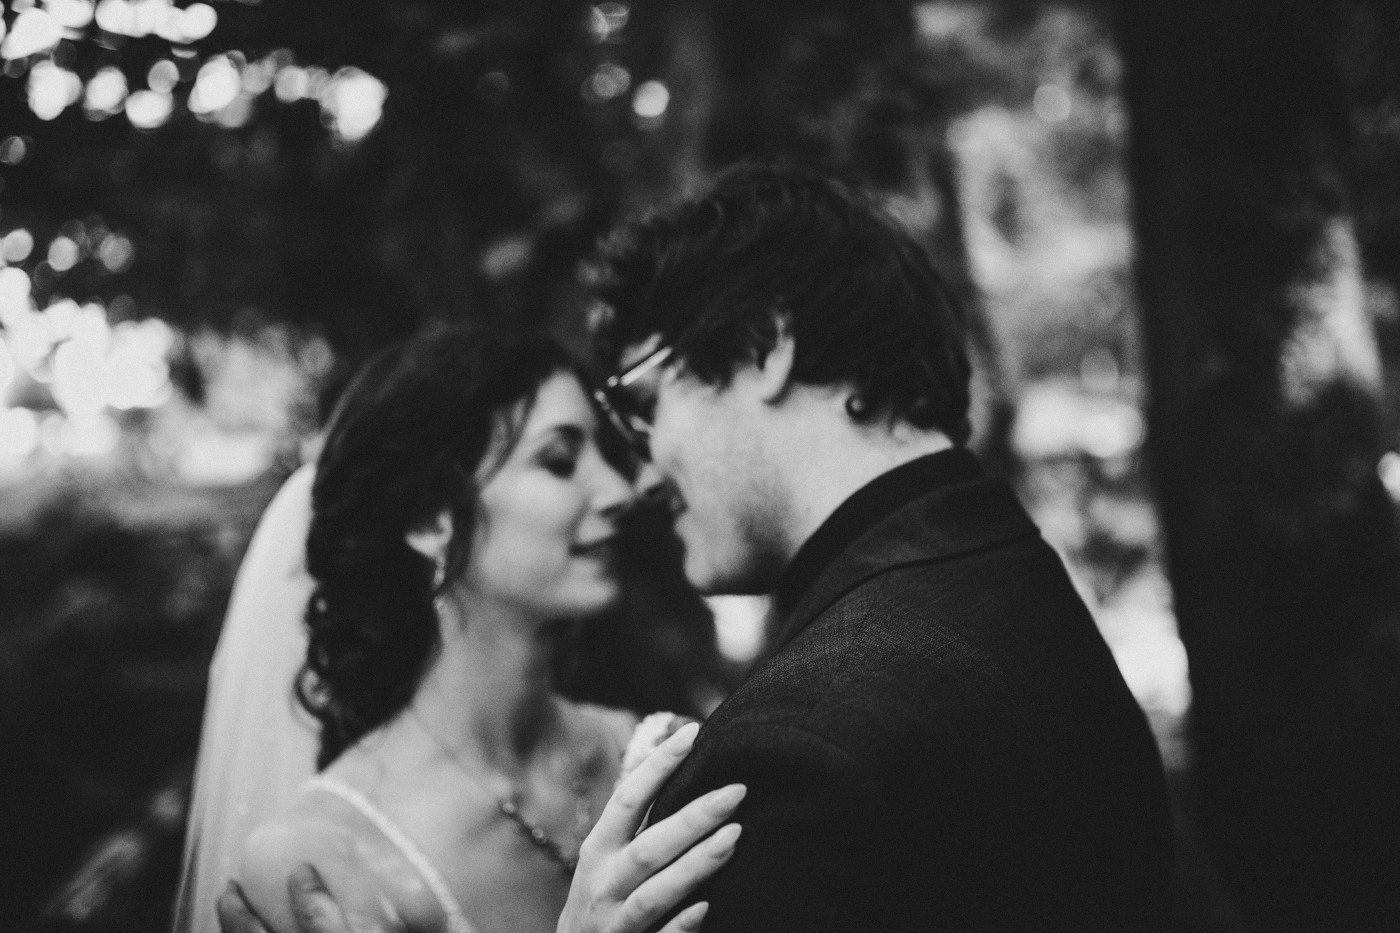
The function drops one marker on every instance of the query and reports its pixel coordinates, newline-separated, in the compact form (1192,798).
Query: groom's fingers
(235,913)
(668,887)
(634,793)
(664,842)
(313,906)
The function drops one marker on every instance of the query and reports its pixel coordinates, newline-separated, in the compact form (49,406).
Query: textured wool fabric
(937,739)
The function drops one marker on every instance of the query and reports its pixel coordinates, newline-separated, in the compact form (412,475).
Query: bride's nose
(614,495)
(649,485)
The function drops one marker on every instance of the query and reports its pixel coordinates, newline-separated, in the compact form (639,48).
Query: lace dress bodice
(457,921)
(648,733)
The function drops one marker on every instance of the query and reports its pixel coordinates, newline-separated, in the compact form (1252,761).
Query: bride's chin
(600,598)
(609,597)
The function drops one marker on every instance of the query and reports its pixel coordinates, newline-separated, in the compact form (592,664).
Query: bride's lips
(601,547)
(673,502)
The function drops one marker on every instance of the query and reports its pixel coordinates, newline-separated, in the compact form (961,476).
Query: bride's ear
(431,537)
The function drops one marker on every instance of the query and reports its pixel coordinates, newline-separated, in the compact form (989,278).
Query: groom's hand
(626,880)
(314,908)
(235,913)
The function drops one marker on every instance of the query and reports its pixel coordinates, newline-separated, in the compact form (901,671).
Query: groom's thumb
(235,914)
(312,905)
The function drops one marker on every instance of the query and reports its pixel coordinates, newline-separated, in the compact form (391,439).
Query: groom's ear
(430,538)
(775,369)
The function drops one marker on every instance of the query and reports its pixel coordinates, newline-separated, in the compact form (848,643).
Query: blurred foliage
(111,598)
(513,134)
(511,137)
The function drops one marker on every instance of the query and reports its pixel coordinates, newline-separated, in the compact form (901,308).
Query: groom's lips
(602,547)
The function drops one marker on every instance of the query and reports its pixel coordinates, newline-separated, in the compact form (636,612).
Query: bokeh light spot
(33,32)
(116,17)
(1052,103)
(52,89)
(1389,470)
(739,625)
(941,21)
(354,100)
(216,86)
(63,254)
(163,76)
(71,14)
(13,150)
(106,92)
(258,77)
(149,109)
(290,85)
(609,81)
(16,247)
(651,100)
(150,16)
(116,253)
(296,83)
(607,19)
(197,21)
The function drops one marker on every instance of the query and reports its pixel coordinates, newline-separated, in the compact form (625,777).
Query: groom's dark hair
(714,276)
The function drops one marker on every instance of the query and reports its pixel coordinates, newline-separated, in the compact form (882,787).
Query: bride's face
(547,518)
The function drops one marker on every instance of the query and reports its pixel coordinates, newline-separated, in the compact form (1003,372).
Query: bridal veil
(256,747)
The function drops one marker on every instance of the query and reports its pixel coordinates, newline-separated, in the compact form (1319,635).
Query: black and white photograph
(659,466)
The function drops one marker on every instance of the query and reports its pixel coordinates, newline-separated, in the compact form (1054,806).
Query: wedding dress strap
(456,920)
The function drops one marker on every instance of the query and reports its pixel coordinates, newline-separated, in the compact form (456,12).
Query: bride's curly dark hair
(406,439)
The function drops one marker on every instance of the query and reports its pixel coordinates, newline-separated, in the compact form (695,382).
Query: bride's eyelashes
(562,466)
(560,455)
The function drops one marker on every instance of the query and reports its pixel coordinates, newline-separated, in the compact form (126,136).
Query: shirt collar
(866,507)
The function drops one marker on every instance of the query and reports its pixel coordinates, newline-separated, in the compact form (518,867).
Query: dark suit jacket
(940,741)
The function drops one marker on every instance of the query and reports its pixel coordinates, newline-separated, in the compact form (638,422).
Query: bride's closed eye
(560,456)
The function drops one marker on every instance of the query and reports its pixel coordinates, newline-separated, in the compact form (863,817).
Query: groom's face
(707,462)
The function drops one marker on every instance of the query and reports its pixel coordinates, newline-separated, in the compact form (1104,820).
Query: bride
(463,517)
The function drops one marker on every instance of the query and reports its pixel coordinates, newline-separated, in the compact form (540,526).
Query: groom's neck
(823,457)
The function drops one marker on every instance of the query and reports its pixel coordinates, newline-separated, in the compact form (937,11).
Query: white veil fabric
(257,747)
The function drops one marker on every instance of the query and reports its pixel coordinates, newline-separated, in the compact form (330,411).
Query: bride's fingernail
(722,842)
(690,917)
(725,799)
(683,738)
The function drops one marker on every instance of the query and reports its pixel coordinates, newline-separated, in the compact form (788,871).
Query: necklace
(509,805)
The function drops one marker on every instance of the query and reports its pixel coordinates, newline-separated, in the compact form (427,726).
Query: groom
(937,736)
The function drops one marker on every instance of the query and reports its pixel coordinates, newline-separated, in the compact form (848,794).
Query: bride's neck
(487,694)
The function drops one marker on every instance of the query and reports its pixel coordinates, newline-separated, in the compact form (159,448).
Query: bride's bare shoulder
(314,833)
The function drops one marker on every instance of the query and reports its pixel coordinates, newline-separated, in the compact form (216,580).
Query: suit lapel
(944,523)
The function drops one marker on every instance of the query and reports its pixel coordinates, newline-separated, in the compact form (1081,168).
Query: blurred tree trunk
(1265,438)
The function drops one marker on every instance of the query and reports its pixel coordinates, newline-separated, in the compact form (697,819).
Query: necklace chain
(509,804)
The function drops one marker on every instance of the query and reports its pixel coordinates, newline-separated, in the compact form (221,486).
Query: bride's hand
(626,881)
